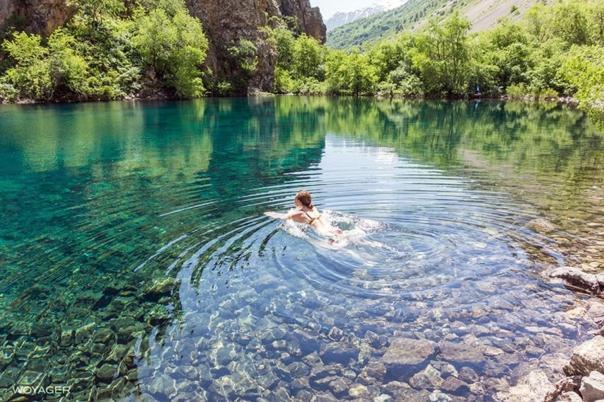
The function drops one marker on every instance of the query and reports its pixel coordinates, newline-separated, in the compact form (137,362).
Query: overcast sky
(329,7)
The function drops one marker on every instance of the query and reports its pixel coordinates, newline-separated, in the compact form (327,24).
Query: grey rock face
(587,357)
(577,278)
(592,387)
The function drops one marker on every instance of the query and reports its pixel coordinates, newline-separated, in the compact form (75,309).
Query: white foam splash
(355,231)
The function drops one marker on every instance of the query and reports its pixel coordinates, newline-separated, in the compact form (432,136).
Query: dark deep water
(136,262)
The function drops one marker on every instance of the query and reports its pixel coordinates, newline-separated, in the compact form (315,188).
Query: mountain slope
(413,14)
(343,17)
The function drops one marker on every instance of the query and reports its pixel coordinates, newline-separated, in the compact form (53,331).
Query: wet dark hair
(305,198)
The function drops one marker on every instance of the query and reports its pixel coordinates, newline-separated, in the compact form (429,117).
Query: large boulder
(569,397)
(576,278)
(592,387)
(534,387)
(587,357)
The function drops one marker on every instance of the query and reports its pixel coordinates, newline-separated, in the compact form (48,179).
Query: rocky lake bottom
(137,264)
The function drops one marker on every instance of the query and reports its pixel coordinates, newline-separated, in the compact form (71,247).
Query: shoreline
(570,101)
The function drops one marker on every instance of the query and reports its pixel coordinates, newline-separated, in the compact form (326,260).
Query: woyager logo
(40,390)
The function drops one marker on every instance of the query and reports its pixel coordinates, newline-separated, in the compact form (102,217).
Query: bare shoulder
(296,216)
(295,213)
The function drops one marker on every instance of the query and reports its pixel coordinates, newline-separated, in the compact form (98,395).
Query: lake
(137,263)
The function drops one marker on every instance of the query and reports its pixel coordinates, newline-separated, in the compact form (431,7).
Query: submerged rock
(335,334)
(372,372)
(438,396)
(428,378)
(83,334)
(358,391)
(455,386)
(408,352)
(532,388)
(592,387)
(106,372)
(461,353)
(159,288)
(338,353)
(339,387)
(587,357)
(541,225)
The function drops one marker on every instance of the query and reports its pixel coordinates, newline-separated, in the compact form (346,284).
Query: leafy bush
(517,91)
(245,53)
(8,93)
(308,57)
(31,75)
(174,47)
(69,69)
(584,69)
(284,83)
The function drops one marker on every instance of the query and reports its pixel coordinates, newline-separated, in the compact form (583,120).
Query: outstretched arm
(276,215)
(293,214)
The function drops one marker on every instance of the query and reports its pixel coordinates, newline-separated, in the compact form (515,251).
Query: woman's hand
(275,215)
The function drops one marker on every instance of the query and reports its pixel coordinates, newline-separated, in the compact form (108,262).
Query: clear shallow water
(137,264)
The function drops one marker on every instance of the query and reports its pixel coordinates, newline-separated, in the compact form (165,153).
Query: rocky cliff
(40,16)
(225,23)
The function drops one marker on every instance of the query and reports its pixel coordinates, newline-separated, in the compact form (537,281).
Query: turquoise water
(137,263)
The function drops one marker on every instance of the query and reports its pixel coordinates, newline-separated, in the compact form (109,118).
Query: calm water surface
(137,263)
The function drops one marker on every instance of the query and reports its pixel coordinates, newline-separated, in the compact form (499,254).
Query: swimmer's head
(303,199)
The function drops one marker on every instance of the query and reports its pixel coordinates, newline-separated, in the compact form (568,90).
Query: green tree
(283,40)
(352,73)
(508,49)
(308,57)
(31,73)
(584,69)
(173,47)
(70,71)
(95,11)
(569,20)
(442,56)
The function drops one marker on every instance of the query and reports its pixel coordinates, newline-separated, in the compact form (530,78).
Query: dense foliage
(110,49)
(555,50)
(113,49)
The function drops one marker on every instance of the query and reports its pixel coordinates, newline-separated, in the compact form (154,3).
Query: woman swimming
(306,212)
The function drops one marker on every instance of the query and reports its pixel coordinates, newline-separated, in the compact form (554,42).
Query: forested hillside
(553,51)
(414,14)
(81,50)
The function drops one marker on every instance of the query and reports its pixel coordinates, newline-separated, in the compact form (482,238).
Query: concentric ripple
(407,229)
